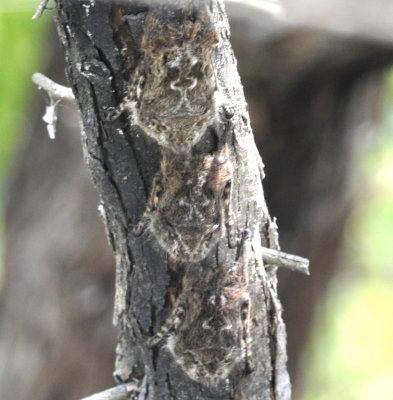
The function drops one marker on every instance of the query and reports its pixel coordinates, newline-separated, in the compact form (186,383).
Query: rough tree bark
(66,352)
(103,47)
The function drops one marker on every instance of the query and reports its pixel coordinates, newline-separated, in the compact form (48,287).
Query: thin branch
(53,89)
(50,117)
(40,9)
(121,392)
(56,94)
(281,259)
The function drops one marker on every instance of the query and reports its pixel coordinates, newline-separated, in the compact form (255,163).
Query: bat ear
(222,155)
(220,158)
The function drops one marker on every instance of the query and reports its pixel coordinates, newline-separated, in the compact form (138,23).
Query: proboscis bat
(189,207)
(175,97)
(208,330)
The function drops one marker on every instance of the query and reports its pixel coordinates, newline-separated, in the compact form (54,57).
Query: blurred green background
(22,42)
(346,359)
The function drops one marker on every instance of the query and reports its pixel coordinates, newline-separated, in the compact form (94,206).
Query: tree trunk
(180,271)
(72,346)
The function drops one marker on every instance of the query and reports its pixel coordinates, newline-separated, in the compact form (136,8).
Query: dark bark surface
(123,161)
(325,124)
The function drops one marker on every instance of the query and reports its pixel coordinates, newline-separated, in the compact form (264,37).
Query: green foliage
(22,43)
(21,46)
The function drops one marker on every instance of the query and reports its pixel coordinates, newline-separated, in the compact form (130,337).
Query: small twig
(40,9)
(54,90)
(56,94)
(121,392)
(50,118)
(281,259)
